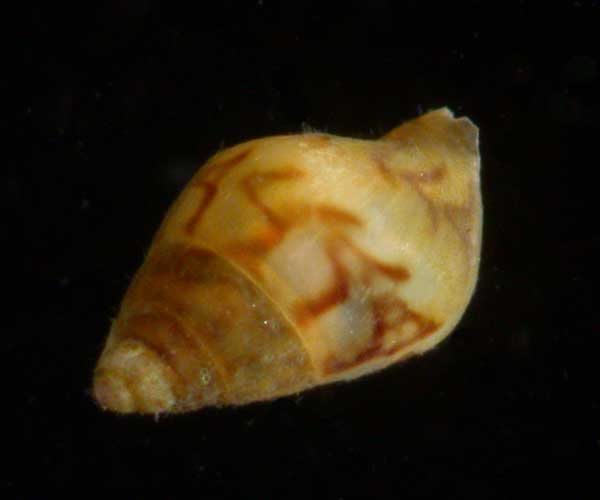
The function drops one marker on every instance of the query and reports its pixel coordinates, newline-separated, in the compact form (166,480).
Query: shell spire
(294,261)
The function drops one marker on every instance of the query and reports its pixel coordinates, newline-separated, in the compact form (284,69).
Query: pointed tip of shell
(129,379)
(112,394)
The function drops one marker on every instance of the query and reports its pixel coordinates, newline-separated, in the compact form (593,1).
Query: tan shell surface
(354,253)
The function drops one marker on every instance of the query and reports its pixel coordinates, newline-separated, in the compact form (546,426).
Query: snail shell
(294,261)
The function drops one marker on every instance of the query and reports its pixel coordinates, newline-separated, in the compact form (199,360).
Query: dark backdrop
(115,108)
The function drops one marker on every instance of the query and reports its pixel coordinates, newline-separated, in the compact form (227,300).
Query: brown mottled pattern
(277,226)
(210,191)
(218,169)
(396,272)
(253,182)
(157,316)
(235,329)
(452,213)
(211,186)
(381,308)
(339,290)
(257,246)
(334,215)
(336,294)
(416,179)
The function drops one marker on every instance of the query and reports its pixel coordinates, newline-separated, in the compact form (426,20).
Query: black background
(114,109)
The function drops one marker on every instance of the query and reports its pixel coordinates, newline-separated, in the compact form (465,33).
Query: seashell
(293,261)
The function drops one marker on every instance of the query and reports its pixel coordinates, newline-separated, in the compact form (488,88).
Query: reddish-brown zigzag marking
(416,179)
(217,171)
(253,182)
(276,226)
(382,308)
(259,245)
(453,213)
(395,272)
(333,215)
(250,250)
(336,294)
(340,288)
(210,191)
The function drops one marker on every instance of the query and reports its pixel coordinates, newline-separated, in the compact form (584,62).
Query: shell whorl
(293,261)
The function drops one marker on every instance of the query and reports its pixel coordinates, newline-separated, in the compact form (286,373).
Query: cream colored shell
(293,261)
